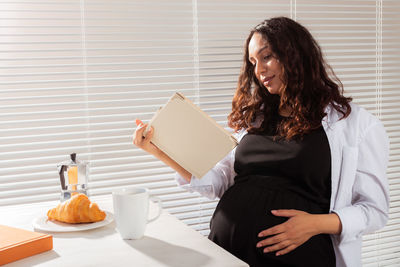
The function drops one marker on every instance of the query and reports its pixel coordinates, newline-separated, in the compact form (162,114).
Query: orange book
(17,243)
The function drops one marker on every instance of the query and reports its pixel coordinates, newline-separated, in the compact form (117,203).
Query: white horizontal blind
(75,74)
(388,239)
(42,96)
(138,53)
(361,42)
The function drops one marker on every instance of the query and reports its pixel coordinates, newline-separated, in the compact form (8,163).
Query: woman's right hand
(144,142)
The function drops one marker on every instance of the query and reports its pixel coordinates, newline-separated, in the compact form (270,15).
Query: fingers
(279,242)
(272,240)
(280,227)
(149,134)
(279,246)
(286,250)
(272,231)
(138,122)
(138,138)
(140,129)
(287,236)
(286,213)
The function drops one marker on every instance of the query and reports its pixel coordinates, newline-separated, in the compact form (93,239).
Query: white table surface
(167,242)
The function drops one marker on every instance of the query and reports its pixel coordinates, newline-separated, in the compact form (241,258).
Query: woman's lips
(267,80)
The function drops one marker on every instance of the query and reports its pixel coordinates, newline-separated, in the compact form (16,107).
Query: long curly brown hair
(308,87)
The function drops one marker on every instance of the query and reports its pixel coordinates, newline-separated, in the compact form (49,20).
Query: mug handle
(158,200)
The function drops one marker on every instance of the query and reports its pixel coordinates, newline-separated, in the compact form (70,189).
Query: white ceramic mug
(131,208)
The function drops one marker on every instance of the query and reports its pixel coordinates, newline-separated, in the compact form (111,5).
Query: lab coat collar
(332,116)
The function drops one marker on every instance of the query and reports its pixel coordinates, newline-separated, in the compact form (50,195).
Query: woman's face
(267,68)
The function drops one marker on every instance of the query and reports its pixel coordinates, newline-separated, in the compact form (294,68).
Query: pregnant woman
(308,177)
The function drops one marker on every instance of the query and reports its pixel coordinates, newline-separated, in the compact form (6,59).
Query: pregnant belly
(253,197)
(246,207)
(245,210)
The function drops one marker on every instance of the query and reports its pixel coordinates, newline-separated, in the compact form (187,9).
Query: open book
(189,136)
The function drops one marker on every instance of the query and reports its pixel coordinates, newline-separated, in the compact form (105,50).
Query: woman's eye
(267,57)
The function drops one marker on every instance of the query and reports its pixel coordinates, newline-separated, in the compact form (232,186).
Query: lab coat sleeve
(369,207)
(215,182)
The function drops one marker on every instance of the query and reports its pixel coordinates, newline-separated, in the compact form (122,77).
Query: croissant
(78,209)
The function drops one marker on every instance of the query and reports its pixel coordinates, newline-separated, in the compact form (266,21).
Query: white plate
(42,223)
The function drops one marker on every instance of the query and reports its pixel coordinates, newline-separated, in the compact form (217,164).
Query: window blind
(387,241)
(42,106)
(75,74)
(138,54)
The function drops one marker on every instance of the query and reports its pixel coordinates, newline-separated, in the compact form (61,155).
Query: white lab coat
(359,153)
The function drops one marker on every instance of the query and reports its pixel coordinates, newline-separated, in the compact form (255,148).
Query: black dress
(275,174)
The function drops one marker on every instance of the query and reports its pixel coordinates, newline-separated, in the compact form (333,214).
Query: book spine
(26,249)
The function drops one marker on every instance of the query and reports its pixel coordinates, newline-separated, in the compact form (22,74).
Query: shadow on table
(167,253)
(36,259)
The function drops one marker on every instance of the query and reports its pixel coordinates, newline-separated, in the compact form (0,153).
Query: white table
(167,242)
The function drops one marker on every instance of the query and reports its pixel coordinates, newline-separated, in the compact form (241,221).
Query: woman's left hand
(289,235)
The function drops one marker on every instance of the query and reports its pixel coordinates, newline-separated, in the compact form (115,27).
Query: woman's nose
(260,68)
